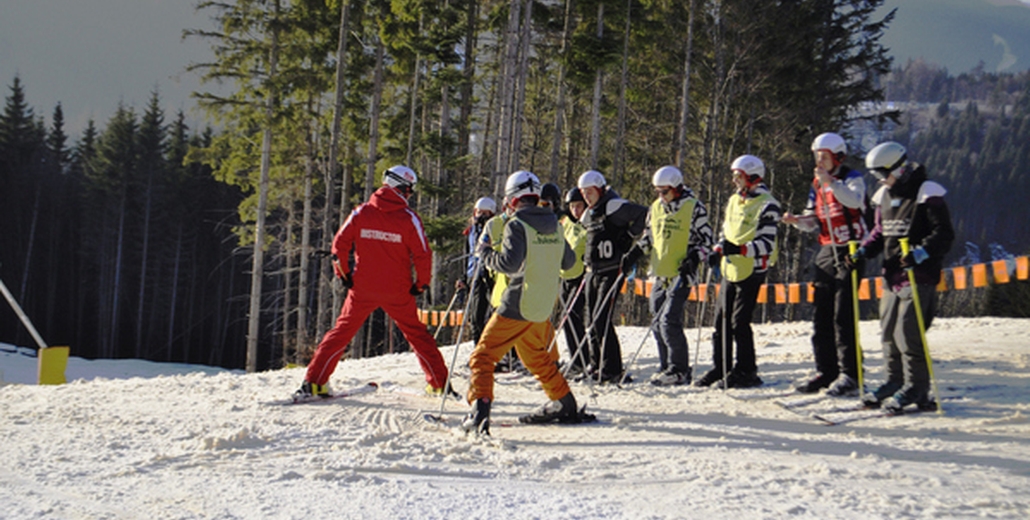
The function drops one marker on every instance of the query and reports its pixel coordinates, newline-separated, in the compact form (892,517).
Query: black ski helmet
(552,194)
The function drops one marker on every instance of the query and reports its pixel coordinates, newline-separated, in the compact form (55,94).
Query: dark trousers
(903,352)
(833,339)
(605,351)
(667,302)
(573,327)
(479,308)
(736,305)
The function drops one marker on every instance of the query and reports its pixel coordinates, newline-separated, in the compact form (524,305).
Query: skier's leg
(405,314)
(498,337)
(334,343)
(532,349)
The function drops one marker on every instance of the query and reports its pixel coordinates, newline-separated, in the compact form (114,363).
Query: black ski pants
(833,338)
(736,306)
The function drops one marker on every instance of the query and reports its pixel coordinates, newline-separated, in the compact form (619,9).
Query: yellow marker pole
(922,325)
(852,248)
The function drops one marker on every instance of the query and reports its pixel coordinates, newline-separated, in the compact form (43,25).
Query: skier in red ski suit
(388,239)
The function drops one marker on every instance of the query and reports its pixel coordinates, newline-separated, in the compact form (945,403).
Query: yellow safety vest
(670,237)
(495,230)
(540,273)
(576,236)
(739,227)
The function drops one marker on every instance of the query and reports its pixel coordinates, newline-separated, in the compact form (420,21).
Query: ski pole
(593,318)
(701,317)
(609,300)
(565,314)
(446,314)
(650,328)
(852,248)
(922,325)
(457,344)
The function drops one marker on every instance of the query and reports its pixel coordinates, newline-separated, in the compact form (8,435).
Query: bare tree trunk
(257,269)
(117,288)
(175,292)
(559,109)
(595,115)
(290,252)
(305,247)
(325,279)
(681,134)
(466,94)
(373,124)
(518,113)
(143,264)
(415,84)
(620,133)
(502,166)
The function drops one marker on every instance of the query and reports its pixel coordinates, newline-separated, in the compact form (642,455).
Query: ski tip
(373,384)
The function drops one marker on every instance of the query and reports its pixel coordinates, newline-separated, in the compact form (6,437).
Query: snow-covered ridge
(174,441)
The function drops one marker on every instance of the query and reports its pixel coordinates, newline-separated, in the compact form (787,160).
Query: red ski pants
(355,310)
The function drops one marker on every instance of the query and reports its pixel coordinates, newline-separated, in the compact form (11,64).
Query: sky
(89,55)
(134,439)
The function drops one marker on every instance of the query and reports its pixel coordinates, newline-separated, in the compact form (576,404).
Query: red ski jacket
(388,240)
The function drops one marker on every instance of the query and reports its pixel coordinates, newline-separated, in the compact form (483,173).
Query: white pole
(21,315)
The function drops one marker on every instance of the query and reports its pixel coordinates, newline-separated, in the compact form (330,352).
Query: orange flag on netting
(959,275)
(1022,267)
(781,293)
(1001,271)
(879,287)
(863,289)
(794,293)
(763,294)
(979,275)
(811,292)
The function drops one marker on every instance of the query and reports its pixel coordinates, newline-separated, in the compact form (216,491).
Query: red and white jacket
(840,203)
(388,239)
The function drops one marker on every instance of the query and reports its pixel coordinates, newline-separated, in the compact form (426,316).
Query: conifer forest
(138,237)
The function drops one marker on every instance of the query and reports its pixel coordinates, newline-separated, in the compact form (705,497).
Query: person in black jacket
(907,206)
(613,224)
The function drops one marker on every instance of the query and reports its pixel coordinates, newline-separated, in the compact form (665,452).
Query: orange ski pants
(530,340)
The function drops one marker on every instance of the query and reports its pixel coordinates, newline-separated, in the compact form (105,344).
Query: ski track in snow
(203,443)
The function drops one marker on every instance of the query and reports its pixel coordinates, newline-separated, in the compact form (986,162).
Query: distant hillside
(959,34)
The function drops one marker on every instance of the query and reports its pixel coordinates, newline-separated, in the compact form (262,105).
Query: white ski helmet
(832,143)
(667,176)
(400,177)
(591,179)
(486,204)
(521,184)
(886,159)
(749,164)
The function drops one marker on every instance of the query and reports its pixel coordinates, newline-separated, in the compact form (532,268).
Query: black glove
(689,264)
(630,259)
(729,248)
(416,290)
(714,256)
(851,261)
(347,280)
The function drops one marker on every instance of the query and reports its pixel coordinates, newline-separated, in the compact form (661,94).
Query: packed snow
(134,439)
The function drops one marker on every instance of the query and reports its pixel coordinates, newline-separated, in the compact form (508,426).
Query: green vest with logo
(739,227)
(670,237)
(540,273)
(576,236)
(495,230)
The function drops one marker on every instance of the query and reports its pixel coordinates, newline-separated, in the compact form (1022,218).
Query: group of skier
(531,253)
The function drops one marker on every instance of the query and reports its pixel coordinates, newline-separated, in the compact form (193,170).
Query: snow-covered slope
(204,444)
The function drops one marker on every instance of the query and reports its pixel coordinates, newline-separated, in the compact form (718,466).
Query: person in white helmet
(533,251)
(613,224)
(678,236)
(743,254)
(479,306)
(388,242)
(907,206)
(835,208)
